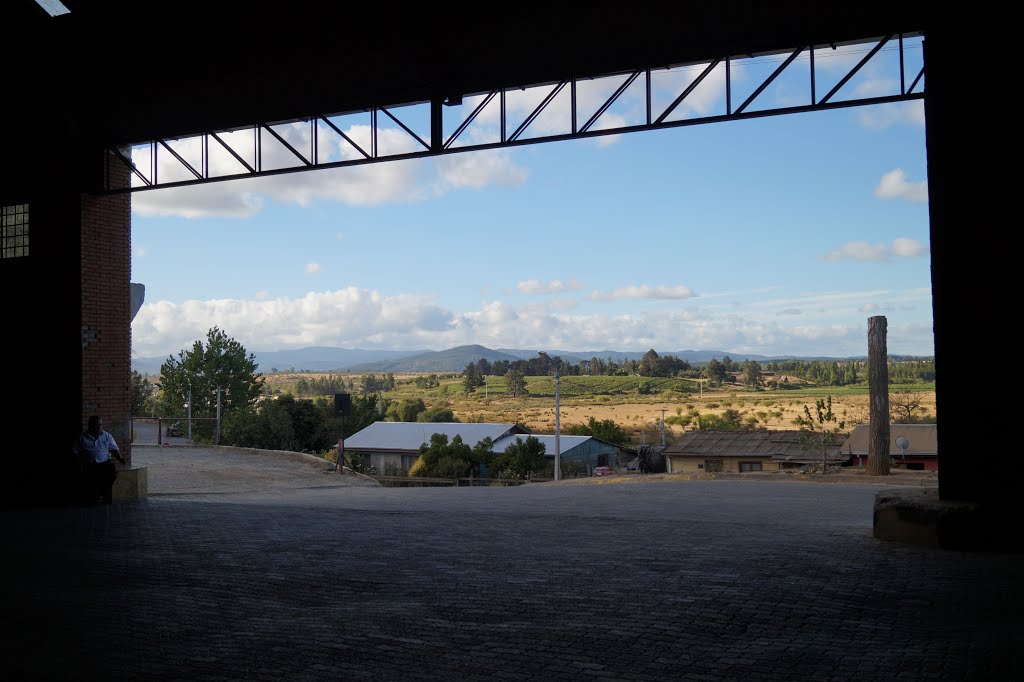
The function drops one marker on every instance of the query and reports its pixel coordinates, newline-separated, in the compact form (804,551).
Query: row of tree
(457,459)
(716,372)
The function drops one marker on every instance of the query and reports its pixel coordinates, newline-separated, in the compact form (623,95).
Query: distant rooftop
(410,435)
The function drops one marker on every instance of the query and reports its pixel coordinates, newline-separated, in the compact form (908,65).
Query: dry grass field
(637,413)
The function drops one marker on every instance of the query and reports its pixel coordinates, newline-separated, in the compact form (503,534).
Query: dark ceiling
(118,72)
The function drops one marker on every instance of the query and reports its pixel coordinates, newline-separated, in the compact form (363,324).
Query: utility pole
(217,438)
(190,413)
(663,427)
(558,429)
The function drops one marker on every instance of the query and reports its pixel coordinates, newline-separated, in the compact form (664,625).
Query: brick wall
(106,312)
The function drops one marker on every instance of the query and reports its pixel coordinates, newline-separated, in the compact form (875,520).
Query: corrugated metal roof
(779,445)
(565,443)
(924,439)
(410,435)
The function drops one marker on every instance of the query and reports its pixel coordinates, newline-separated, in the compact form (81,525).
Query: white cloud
(894,185)
(876,87)
(858,251)
(908,248)
(702,100)
(883,116)
(476,170)
(868,308)
(644,291)
(364,185)
(219,200)
(863,251)
(790,311)
(833,302)
(555,286)
(360,318)
(312,268)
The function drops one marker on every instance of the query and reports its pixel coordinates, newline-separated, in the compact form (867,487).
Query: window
(750,466)
(14,231)
(714,465)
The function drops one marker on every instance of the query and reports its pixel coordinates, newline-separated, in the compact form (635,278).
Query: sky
(778,235)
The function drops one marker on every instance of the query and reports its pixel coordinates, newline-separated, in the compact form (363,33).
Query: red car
(604,471)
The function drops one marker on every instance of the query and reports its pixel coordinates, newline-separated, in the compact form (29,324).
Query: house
(920,451)
(742,451)
(397,444)
(586,451)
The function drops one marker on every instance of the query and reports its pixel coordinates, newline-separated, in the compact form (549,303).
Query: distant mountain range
(331,359)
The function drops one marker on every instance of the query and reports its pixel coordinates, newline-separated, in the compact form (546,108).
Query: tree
(406,410)
(520,458)
(142,394)
(649,364)
(752,374)
(605,429)
(821,430)
(715,372)
(472,379)
(729,420)
(903,405)
(440,413)
(515,383)
(223,364)
(445,460)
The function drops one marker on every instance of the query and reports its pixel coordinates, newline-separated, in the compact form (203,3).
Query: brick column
(106,311)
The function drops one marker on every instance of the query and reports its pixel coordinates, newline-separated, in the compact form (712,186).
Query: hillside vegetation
(636,403)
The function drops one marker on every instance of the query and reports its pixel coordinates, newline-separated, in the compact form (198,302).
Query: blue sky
(775,236)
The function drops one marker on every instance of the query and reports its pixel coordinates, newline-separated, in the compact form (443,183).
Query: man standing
(96,447)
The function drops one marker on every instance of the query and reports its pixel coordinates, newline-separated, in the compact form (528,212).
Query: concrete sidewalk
(240,579)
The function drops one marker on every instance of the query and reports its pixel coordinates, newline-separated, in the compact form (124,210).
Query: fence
(404,481)
(163,430)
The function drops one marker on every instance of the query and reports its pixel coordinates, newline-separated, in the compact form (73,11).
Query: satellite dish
(902,443)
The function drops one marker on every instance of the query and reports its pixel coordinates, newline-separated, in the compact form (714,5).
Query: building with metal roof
(397,444)
(586,451)
(741,451)
(919,451)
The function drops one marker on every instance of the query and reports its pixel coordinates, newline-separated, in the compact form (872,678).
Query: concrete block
(131,485)
(917,516)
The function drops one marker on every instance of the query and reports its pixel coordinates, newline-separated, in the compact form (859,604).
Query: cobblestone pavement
(712,580)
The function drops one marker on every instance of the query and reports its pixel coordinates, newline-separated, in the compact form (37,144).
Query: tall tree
(752,374)
(649,364)
(142,394)
(515,383)
(472,379)
(715,372)
(222,363)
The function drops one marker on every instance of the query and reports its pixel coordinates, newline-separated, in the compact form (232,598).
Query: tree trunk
(878,391)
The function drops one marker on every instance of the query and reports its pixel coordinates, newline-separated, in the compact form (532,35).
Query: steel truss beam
(167,154)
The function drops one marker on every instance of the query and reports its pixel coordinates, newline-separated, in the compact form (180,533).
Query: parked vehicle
(604,471)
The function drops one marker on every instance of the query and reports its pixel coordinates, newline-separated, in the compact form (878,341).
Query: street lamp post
(189,406)
(558,429)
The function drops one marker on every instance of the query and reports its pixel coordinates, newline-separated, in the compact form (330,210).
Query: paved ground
(221,576)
